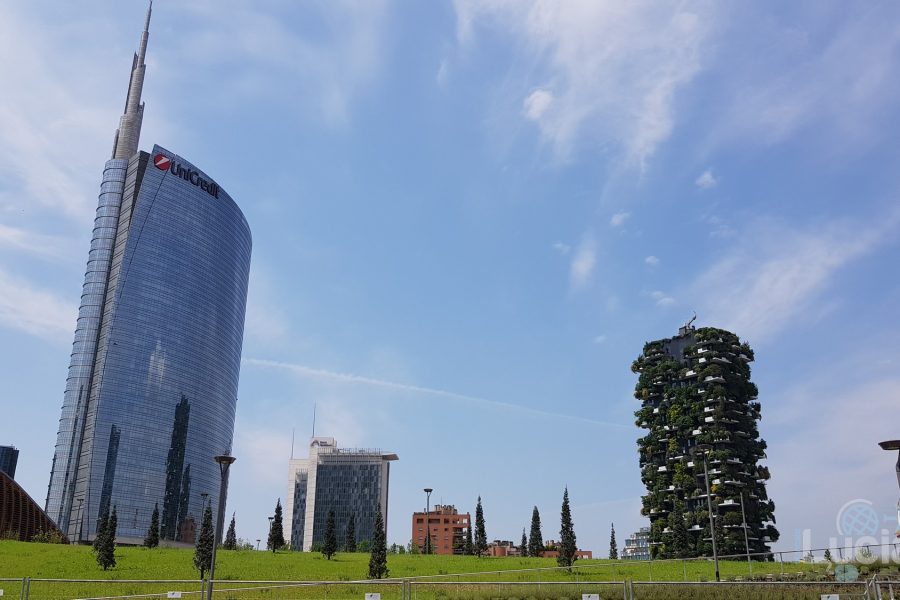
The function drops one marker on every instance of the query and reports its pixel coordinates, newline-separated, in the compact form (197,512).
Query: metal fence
(412,589)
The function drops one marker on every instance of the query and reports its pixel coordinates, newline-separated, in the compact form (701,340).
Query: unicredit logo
(162,161)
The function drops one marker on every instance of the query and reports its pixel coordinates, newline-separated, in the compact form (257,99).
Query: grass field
(45,561)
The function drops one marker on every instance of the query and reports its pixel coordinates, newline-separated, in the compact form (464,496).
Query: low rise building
(637,545)
(447,527)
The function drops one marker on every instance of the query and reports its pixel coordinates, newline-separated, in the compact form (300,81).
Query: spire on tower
(129,132)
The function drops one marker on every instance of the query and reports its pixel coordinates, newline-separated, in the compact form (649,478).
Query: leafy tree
(378,568)
(567,545)
(613,548)
(679,545)
(413,547)
(106,555)
(276,531)
(350,540)
(523,547)
(480,534)
(204,547)
(230,537)
(470,546)
(536,539)
(329,544)
(152,539)
(364,546)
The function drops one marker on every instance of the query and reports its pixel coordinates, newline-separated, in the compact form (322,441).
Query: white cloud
(35,311)
(651,260)
(349,378)
(773,273)
(581,270)
(536,104)
(599,339)
(662,299)
(618,219)
(50,247)
(562,248)
(266,320)
(706,180)
(615,67)
(443,73)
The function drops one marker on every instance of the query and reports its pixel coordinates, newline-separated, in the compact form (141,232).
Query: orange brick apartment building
(447,526)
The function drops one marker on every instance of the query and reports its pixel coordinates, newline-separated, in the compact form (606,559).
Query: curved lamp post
(894,445)
(428,548)
(224,461)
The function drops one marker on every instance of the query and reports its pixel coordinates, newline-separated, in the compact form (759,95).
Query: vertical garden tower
(698,403)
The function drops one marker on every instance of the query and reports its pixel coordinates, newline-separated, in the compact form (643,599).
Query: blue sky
(468,218)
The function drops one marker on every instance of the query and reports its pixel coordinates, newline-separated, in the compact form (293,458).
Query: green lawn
(39,561)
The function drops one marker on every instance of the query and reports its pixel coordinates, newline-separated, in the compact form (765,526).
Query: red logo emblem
(162,161)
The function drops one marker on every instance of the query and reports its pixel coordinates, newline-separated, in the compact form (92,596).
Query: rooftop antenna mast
(314,419)
(292,442)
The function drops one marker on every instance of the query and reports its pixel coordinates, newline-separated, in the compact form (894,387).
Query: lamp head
(224,459)
(428,490)
(890,445)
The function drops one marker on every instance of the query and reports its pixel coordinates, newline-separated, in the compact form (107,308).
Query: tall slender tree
(523,547)
(350,539)
(329,544)
(535,539)
(567,545)
(276,531)
(378,568)
(231,536)
(203,549)
(470,545)
(679,544)
(613,548)
(480,533)
(106,555)
(152,539)
(101,531)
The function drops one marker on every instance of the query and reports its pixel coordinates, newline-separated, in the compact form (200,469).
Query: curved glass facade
(156,400)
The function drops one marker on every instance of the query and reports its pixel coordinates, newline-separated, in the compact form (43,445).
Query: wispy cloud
(618,219)
(349,378)
(599,339)
(773,272)
(50,247)
(661,298)
(614,67)
(581,270)
(34,311)
(706,180)
(651,260)
(562,248)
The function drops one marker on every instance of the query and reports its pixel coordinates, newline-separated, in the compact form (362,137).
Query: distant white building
(349,481)
(637,545)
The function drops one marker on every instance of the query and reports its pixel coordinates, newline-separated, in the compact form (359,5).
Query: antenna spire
(314,419)
(129,132)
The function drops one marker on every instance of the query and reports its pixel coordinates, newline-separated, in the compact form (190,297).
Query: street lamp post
(271,520)
(703,449)
(203,496)
(80,517)
(428,549)
(894,445)
(225,462)
(257,544)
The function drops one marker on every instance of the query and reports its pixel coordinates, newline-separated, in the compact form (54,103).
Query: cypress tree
(152,539)
(378,558)
(567,545)
(106,555)
(101,531)
(480,534)
(613,549)
(276,531)
(350,541)
(523,547)
(329,545)
(470,546)
(231,536)
(536,539)
(204,547)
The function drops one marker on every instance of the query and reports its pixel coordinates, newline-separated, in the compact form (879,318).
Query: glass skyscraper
(152,386)
(350,482)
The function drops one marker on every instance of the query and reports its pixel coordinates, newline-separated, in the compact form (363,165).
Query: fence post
(781,559)
(650,568)
(684,568)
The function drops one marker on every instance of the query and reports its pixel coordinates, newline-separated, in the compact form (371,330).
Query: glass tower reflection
(152,387)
